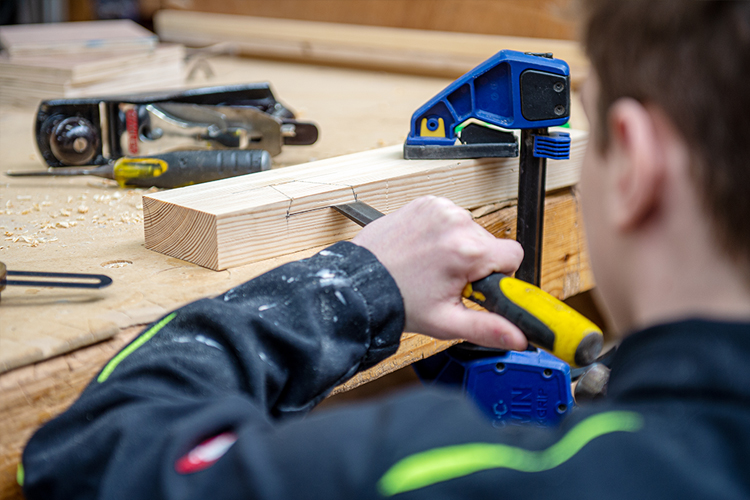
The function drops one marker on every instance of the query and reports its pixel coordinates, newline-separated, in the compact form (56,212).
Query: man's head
(669,107)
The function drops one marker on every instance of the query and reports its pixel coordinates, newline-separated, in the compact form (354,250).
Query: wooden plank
(530,18)
(34,394)
(85,68)
(76,38)
(27,80)
(436,53)
(241,220)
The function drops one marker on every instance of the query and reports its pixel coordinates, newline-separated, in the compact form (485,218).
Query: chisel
(170,170)
(546,321)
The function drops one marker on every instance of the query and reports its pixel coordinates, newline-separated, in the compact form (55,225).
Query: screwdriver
(546,321)
(170,170)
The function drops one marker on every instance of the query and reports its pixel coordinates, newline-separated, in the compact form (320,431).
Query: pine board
(237,221)
(437,53)
(25,81)
(75,38)
(85,68)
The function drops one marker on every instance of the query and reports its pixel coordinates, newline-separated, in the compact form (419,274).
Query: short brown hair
(691,59)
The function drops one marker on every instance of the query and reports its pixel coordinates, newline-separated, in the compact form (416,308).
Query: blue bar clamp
(473,117)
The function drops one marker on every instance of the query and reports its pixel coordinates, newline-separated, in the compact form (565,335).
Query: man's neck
(686,274)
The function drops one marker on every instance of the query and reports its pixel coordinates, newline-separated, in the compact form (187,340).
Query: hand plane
(96,131)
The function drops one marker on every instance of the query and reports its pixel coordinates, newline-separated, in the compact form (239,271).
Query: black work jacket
(209,403)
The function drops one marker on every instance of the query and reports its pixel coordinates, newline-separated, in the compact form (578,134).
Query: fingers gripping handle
(546,321)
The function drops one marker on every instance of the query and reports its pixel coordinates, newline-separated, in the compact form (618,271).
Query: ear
(639,161)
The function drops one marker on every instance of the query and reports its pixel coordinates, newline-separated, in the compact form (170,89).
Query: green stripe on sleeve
(450,462)
(20,474)
(145,337)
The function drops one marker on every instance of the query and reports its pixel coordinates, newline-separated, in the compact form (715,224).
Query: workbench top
(89,225)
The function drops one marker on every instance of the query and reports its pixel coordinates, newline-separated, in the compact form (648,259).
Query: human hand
(433,248)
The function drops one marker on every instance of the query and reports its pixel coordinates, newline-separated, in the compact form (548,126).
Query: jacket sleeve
(235,366)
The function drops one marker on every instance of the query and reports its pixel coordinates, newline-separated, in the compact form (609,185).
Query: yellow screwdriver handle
(128,169)
(546,321)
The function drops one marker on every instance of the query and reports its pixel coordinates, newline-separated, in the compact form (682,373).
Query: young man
(203,404)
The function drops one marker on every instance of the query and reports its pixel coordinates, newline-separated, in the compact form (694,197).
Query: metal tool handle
(79,280)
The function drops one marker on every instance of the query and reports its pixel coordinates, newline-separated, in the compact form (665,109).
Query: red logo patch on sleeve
(205,454)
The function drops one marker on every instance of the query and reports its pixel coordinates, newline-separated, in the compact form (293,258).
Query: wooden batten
(245,219)
(415,51)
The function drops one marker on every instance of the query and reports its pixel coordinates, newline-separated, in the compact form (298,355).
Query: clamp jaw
(510,90)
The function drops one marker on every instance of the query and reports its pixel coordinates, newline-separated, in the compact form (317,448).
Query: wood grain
(436,53)
(232,222)
(34,394)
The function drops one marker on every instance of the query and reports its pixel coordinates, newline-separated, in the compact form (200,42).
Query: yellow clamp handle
(546,321)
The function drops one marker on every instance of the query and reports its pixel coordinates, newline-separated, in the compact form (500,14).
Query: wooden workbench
(53,341)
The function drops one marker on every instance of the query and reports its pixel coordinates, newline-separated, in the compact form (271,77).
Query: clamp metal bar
(530,219)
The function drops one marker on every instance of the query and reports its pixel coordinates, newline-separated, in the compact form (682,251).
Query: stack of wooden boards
(47,61)
(244,219)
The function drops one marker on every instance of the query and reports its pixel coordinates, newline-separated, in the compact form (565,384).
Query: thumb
(483,328)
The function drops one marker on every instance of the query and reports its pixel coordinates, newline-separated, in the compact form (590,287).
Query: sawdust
(67,212)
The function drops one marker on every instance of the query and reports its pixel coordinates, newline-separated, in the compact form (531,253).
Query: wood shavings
(8,233)
(82,209)
(65,213)
(70,199)
(23,197)
(128,218)
(8,204)
(102,198)
(46,203)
